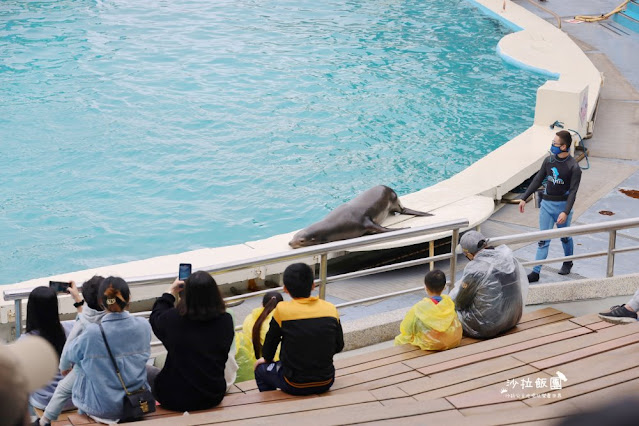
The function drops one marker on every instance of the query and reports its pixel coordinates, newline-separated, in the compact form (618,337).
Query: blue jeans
(548,213)
(61,398)
(271,376)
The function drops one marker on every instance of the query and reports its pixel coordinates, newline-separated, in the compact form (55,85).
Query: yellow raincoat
(245,355)
(432,327)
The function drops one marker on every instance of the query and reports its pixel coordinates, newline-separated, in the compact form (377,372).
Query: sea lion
(360,216)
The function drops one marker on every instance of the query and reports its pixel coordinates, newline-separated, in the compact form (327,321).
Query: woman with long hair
(97,390)
(198,336)
(43,319)
(250,339)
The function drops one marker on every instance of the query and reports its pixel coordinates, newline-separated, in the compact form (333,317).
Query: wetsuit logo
(555,179)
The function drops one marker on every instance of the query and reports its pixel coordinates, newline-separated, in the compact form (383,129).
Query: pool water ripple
(134,129)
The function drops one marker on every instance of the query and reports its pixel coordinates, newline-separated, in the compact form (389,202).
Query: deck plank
(599,325)
(589,386)
(441,417)
(586,319)
(499,379)
(505,350)
(586,352)
(381,383)
(260,411)
(460,375)
(538,322)
(261,397)
(381,362)
(598,365)
(492,394)
(486,345)
(382,372)
(579,342)
(512,405)
(605,396)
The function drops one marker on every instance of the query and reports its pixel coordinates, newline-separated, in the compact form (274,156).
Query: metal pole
(18,305)
(453,257)
(612,240)
(431,253)
(322,277)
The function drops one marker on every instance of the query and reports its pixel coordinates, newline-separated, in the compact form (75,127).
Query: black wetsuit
(562,180)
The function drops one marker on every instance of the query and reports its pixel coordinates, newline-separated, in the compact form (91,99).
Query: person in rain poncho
(432,323)
(490,296)
(249,340)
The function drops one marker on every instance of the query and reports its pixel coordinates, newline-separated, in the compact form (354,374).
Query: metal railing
(322,250)
(610,227)
(548,11)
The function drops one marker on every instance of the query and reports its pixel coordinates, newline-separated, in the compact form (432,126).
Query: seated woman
(43,320)
(250,339)
(198,335)
(91,312)
(97,390)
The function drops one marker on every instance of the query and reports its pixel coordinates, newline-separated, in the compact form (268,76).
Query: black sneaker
(533,277)
(619,315)
(565,268)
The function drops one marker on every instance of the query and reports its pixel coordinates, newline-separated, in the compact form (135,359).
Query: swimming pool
(130,130)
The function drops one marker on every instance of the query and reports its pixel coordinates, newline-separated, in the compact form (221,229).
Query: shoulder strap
(117,370)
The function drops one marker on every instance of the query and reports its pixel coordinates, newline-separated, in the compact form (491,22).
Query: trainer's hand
(258,362)
(562,218)
(522,206)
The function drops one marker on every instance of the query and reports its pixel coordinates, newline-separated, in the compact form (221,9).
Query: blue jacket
(97,390)
(87,316)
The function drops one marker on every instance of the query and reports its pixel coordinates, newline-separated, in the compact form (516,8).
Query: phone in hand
(185,271)
(59,286)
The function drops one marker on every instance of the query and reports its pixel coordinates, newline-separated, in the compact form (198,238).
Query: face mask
(555,150)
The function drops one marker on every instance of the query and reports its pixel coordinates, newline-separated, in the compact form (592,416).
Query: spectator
(97,390)
(490,295)
(432,323)
(310,333)
(623,314)
(25,365)
(92,313)
(250,339)
(198,334)
(43,320)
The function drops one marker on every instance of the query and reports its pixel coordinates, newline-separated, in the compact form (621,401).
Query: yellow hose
(603,17)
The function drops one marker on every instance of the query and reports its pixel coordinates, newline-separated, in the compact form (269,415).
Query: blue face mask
(555,150)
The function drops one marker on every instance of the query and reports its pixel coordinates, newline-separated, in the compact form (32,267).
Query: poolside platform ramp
(550,365)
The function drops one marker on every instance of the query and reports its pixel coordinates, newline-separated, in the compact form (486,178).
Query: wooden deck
(511,379)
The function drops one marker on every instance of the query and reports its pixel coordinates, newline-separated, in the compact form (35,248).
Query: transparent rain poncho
(432,327)
(245,355)
(490,296)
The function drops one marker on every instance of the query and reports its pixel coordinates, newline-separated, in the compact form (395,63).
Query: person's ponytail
(273,299)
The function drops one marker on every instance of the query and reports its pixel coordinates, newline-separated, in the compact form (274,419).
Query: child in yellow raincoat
(432,323)
(249,340)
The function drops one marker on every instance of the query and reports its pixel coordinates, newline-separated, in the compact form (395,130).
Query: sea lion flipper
(414,212)
(373,228)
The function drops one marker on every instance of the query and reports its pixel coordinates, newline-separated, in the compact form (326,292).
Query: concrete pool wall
(471,194)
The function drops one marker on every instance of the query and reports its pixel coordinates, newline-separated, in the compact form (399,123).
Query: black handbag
(136,403)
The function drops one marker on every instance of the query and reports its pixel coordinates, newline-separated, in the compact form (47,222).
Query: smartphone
(185,271)
(59,286)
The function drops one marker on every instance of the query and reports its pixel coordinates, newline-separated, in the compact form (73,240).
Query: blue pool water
(131,129)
